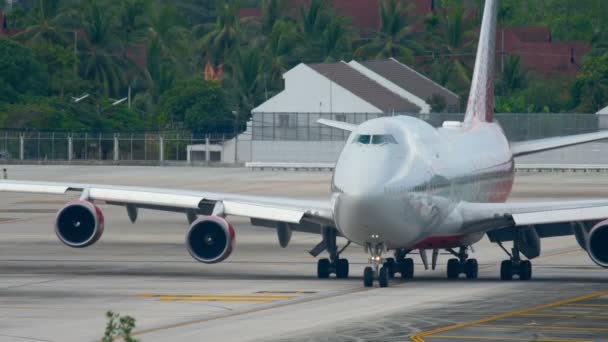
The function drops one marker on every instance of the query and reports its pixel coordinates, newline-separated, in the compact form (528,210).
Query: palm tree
(280,48)
(337,39)
(247,67)
(220,42)
(99,61)
(512,77)
(48,24)
(131,21)
(395,38)
(453,42)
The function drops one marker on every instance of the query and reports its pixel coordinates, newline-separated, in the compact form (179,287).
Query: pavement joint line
(565,315)
(246,312)
(420,336)
(541,327)
(493,338)
(589,305)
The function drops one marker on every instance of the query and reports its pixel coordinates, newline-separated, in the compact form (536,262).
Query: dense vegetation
(158,50)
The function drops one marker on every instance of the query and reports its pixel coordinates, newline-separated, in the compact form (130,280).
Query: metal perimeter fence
(517,127)
(173,146)
(41,146)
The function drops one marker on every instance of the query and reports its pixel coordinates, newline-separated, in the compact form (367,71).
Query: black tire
(453,268)
(391,266)
(368,277)
(342,269)
(323,266)
(383,276)
(407,269)
(471,269)
(506,270)
(525,270)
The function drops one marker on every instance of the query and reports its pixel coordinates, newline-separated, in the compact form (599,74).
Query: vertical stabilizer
(480,107)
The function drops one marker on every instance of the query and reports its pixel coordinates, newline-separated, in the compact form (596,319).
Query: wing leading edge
(256,207)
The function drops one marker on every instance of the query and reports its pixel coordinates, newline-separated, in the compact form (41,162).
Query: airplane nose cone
(373,217)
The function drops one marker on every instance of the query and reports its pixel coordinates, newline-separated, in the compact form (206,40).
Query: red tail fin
(480,107)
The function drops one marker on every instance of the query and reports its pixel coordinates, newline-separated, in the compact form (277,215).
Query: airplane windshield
(364,139)
(383,139)
(379,139)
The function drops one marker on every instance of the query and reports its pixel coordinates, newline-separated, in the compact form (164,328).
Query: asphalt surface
(49,292)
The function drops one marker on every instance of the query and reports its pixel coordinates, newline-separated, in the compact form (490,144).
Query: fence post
(161,148)
(116,155)
(21,147)
(70,147)
(207,153)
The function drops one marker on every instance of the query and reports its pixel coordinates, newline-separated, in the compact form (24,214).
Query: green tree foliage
(155,49)
(197,105)
(119,327)
(590,91)
(21,73)
(395,38)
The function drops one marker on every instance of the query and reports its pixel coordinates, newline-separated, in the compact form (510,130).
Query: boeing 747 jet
(400,186)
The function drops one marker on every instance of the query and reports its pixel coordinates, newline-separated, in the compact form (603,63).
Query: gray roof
(410,80)
(364,87)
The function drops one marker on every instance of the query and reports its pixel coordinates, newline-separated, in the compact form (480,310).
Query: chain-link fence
(517,127)
(254,144)
(166,146)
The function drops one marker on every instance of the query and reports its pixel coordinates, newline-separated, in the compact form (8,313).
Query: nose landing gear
(377,269)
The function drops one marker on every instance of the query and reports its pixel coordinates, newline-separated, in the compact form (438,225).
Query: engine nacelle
(211,239)
(597,244)
(79,224)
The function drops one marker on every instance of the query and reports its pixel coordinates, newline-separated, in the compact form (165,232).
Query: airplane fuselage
(398,180)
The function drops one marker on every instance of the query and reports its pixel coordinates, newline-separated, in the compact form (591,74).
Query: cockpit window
(379,139)
(364,139)
(383,139)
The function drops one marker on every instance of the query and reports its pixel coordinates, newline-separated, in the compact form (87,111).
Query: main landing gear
(400,264)
(515,266)
(462,265)
(336,265)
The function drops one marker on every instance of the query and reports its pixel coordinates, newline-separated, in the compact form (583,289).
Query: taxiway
(49,292)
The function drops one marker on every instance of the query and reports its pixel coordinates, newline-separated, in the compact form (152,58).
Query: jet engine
(79,224)
(210,239)
(597,244)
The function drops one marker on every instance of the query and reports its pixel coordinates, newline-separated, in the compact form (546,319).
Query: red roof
(539,53)
(365,14)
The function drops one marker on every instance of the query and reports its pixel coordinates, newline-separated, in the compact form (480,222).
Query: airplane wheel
(368,277)
(471,268)
(383,276)
(342,268)
(390,265)
(453,268)
(525,270)
(407,269)
(323,266)
(506,270)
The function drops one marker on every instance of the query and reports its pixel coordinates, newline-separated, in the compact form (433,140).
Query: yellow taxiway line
(492,338)
(420,336)
(214,298)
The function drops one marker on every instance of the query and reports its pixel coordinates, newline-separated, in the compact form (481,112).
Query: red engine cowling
(79,224)
(597,244)
(211,239)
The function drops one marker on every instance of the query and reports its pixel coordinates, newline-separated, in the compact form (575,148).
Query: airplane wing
(345,126)
(534,146)
(483,217)
(260,209)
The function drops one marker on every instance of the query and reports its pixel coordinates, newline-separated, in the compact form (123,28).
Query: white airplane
(399,185)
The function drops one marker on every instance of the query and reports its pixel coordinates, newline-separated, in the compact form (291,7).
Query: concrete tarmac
(49,292)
